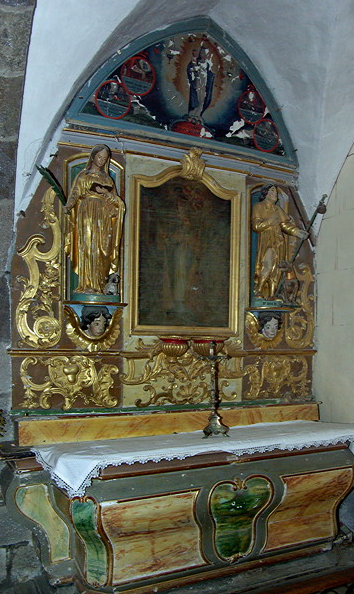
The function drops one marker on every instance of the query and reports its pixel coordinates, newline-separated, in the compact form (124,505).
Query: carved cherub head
(269,323)
(95,320)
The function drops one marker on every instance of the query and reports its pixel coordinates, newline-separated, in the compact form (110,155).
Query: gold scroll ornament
(182,377)
(298,324)
(42,286)
(268,375)
(172,375)
(68,377)
(192,165)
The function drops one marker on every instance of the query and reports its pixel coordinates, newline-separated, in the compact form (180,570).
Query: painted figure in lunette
(96,221)
(272,224)
(201,82)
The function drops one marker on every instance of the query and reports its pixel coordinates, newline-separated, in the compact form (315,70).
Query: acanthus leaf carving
(68,377)
(41,289)
(300,325)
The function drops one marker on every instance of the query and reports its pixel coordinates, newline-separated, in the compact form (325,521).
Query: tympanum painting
(186,83)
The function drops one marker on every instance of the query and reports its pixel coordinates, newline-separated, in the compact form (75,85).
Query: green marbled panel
(85,522)
(33,501)
(234,511)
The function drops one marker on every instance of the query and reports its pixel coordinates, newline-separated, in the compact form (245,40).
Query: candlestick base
(215,426)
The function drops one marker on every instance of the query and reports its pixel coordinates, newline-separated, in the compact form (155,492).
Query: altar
(163,298)
(147,513)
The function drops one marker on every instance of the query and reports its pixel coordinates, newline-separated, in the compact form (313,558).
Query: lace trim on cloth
(72,466)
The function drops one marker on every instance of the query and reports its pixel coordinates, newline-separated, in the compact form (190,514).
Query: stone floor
(41,586)
(330,572)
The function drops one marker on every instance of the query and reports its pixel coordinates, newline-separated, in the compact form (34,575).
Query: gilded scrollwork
(269,375)
(170,377)
(230,369)
(41,289)
(68,377)
(192,165)
(301,322)
(92,343)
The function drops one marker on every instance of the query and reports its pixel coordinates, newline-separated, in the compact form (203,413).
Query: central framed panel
(185,231)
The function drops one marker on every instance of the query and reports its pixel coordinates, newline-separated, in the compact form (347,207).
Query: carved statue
(95,320)
(96,221)
(272,224)
(269,323)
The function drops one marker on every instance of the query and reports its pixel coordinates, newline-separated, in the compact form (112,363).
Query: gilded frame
(192,168)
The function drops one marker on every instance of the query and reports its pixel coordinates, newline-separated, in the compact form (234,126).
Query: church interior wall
(333,372)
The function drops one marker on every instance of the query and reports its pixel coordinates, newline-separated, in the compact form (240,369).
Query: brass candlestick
(215,425)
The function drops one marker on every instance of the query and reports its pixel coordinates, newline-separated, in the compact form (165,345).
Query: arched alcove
(147,374)
(150,88)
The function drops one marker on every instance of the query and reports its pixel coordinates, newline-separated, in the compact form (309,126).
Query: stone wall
(15,29)
(334,370)
(18,560)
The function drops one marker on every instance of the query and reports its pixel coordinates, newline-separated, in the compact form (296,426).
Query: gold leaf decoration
(42,286)
(300,325)
(68,377)
(180,379)
(92,344)
(269,375)
(192,166)
(170,377)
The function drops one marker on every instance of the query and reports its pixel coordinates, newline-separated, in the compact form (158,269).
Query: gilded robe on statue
(271,222)
(96,221)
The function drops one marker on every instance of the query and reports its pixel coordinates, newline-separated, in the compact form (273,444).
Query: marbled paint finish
(84,517)
(234,511)
(33,501)
(48,431)
(152,536)
(307,511)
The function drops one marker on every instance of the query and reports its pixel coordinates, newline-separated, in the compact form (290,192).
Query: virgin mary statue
(96,221)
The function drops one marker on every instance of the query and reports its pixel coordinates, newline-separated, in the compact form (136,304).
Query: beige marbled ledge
(307,511)
(152,536)
(74,429)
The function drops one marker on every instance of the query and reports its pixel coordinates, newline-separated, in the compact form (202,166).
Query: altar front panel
(156,525)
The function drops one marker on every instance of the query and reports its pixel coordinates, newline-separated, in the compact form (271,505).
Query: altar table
(148,513)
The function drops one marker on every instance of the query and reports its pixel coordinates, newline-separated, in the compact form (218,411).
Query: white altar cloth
(72,466)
